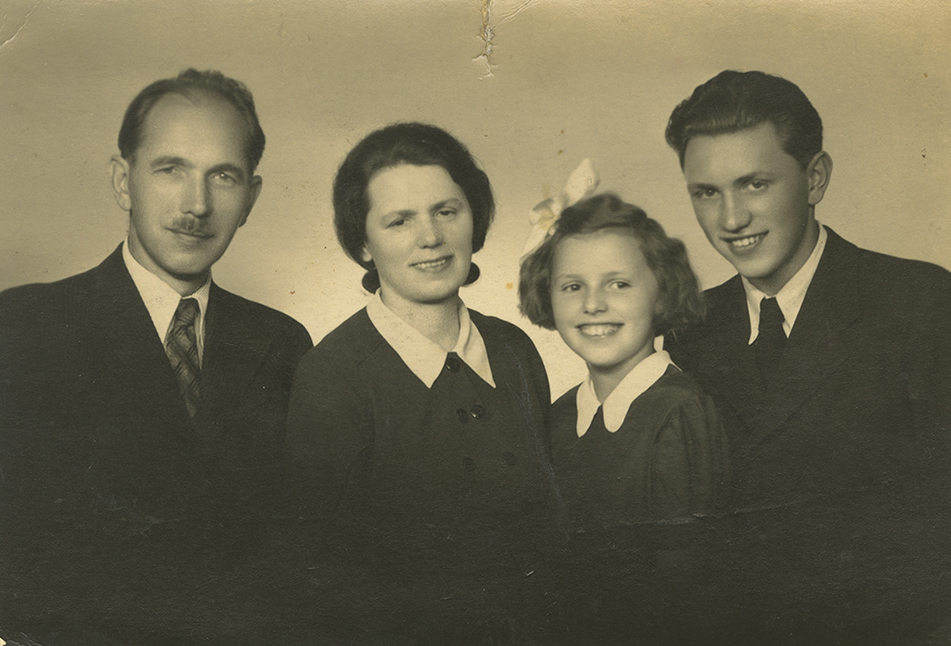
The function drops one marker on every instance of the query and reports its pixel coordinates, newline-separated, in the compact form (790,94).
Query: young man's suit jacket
(841,456)
(114,501)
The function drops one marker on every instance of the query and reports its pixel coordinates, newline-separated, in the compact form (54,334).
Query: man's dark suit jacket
(840,458)
(117,507)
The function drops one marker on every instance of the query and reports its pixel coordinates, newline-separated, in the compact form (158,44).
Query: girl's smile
(599,329)
(604,298)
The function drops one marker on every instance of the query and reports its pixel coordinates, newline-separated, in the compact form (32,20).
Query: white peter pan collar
(638,380)
(421,355)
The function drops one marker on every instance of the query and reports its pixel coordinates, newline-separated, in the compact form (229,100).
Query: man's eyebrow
(172,160)
(169,160)
(750,177)
(229,168)
(739,181)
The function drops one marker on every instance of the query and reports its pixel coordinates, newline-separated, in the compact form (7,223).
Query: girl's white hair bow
(581,184)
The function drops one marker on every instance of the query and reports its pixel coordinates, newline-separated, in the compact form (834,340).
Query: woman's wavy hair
(681,301)
(418,144)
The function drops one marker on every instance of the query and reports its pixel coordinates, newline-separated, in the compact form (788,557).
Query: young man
(831,366)
(142,407)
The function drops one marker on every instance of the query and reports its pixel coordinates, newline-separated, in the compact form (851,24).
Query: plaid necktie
(181,346)
(771,340)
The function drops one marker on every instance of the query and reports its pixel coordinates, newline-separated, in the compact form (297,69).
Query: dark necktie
(771,339)
(181,346)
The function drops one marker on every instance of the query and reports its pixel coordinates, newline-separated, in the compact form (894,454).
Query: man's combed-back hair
(733,101)
(192,83)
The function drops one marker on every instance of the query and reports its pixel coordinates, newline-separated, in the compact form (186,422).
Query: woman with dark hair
(417,427)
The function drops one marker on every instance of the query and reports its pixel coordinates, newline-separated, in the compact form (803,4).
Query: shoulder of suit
(277,323)
(724,291)
(899,271)
(48,299)
(722,304)
(896,280)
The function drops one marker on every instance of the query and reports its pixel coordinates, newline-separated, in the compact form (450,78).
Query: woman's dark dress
(432,509)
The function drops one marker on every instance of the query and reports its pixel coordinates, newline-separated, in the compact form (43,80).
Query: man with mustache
(143,406)
(831,366)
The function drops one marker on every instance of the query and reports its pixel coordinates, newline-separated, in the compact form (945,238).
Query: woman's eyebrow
(452,201)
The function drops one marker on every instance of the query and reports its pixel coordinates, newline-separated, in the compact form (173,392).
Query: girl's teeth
(599,330)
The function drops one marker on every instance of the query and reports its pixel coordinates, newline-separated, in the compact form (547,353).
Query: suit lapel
(234,350)
(737,380)
(127,346)
(817,343)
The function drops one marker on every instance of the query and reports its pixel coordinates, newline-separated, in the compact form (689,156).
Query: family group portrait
(475,323)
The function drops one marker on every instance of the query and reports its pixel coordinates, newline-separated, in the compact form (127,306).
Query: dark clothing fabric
(667,461)
(841,456)
(433,508)
(637,499)
(118,509)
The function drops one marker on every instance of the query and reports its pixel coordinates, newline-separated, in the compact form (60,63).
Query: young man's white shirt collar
(161,300)
(792,294)
(421,355)
(635,383)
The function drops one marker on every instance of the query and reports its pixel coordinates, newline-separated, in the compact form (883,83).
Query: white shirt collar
(792,294)
(161,300)
(639,379)
(421,355)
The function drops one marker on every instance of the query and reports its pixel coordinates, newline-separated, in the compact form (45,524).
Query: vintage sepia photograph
(488,322)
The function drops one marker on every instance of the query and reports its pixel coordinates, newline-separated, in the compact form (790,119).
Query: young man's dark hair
(732,101)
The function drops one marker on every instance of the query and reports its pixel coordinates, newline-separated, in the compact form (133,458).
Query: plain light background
(563,80)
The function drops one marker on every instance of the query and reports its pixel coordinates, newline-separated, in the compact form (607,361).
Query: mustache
(189,225)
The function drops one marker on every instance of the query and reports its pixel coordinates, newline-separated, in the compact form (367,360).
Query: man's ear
(120,170)
(819,171)
(365,254)
(256,184)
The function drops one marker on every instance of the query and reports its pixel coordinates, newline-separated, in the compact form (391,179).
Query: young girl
(637,440)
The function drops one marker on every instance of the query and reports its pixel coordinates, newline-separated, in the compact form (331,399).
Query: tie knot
(186,312)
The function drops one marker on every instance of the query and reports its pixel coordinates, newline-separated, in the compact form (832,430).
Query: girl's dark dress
(667,461)
(432,509)
(635,497)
